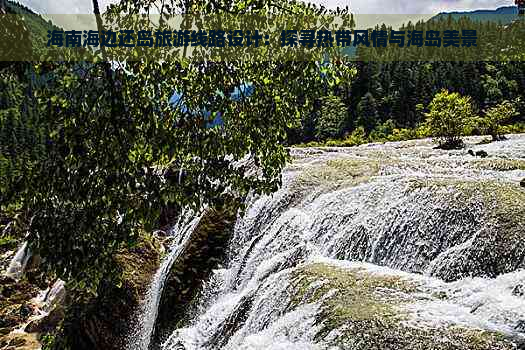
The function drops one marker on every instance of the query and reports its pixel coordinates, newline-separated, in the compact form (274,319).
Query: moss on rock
(353,293)
(365,311)
(336,173)
(499,164)
(500,196)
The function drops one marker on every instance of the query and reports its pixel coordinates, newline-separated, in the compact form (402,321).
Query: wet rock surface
(105,320)
(441,233)
(363,309)
(519,290)
(204,250)
(15,302)
(20,341)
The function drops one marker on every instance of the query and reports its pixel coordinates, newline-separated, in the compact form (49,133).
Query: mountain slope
(503,15)
(36,25)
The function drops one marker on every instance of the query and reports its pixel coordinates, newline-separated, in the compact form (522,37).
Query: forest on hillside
(393,87)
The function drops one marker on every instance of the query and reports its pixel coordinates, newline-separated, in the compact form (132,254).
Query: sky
(357,6)
(417,6)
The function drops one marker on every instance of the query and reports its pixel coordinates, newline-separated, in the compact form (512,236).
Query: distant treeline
(391,90)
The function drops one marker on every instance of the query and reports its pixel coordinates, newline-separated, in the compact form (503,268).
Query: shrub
(513,128)
(383,131)
(496,116)
(402,135)
(357,137)
(448,115)
(422,131)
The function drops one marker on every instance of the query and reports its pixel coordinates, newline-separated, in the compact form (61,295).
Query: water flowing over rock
(50,309)
(394,246)
(55,296)
(144,322)
(200,243)
(18,263)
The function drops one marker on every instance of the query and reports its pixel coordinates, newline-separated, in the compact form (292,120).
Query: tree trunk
(100,27)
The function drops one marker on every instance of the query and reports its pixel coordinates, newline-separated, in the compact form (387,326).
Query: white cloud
(357,6)
(415,7)
(64,6)
(419,10)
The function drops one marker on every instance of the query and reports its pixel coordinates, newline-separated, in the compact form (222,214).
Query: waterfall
(18,263)
(438,221)
(53,296)
(142,330)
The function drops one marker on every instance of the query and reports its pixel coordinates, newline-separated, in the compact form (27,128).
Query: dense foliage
(399,85)
(93,153)
(496,116)
(331,117)
(448,115)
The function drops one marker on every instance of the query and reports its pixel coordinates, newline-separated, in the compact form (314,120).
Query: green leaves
(332,117)
(496,116)
(109,154)
(449,114)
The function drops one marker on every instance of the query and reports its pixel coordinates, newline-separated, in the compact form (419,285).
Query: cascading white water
(142,330)
(407,208)
(52,296)
(18,263)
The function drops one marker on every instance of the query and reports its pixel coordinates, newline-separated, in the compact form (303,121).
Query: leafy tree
(367,112)
(497,85)
(448,115)
(496,116)
(400,83)
(116,153)
(331,118)
(493,93)
(400,78)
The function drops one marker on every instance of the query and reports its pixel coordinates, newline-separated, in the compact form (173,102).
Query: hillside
(503,15)
(37,25)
